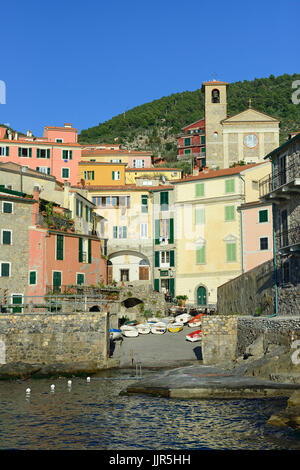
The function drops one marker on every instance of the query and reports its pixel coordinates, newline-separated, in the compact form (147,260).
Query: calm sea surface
(94,416)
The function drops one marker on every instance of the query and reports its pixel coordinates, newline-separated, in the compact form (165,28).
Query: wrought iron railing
(288,237)
(280,177)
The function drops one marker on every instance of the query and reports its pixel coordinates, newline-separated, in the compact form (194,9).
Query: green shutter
(164,201)
(71,154)
(113,175)
(229,213)
(19,151)
(202,139)
(263,216)
(7,207)
(229,186)
(38,153)
(59,247)
(32,277)
(30,152)
(200,254)
(5,269)
(156,285)
(80,279)
(48,153)
(199,216)
(80,246)
(6,237)
(7,151)
(199,189)
(56,279)
(89,250)
(171,287)
(172,258)
(171,228)
(187,141)
(156,263)
(157,231)
(231,252)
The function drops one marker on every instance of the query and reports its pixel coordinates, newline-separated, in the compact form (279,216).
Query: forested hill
(153,126)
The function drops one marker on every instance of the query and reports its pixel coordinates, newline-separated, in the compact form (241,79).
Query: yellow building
(127,225)
(132,158)
(208,228)
(106,174)
(157,174)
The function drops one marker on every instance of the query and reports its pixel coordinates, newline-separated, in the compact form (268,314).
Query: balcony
(289,240)
(280,186)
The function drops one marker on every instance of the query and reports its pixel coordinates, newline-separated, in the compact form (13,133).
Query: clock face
(250,140)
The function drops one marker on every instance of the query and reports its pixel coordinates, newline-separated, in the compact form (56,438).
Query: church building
(244,137)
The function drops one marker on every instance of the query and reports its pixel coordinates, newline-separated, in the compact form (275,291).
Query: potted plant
(181,300)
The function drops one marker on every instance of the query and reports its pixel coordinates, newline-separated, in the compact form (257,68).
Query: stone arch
(130,265)
(131,302)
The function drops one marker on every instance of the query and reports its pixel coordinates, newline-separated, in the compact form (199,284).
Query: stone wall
(55,338)
(281,331)
(219,338)
(244,294)
(154,301)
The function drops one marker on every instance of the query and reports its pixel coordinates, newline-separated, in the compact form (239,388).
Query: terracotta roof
(127,187)
(214,82)
(101,163)
(217,173)
(48,143)
(61,128)
(116,152)
(154,168)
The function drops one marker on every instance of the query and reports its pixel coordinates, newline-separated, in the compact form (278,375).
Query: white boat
(143,328)
(152,320)
(194,336)
(129,331)
(168,320)
(115,333)
(158,328)
(183,318)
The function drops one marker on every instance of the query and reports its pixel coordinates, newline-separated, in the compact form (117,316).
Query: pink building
(57,153)
(257,234)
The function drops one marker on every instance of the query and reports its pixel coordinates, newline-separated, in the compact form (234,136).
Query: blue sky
(86,61)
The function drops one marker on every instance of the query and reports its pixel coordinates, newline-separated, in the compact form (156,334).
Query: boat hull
(195,336)
(159,328)
(175,328)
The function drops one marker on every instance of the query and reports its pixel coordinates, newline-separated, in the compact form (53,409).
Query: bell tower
(215,111)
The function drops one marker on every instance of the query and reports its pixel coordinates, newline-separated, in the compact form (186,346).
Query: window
(114,160)
(79,208)
(263,216)
(79,279)
(4,151)
(115,175)
(65,173)
(231,252)
(32,278)
(202,140)
(264,243)
(164,201)
(59,247)
(24,152)
(215,96)
(67,155)
(56,280)
(59,141)
(202,150)
(164,258)
(164,228)
(120,231)
(200,216)
(43,153)
(144,230)
(199,189)
(201,254)
(7,207)
(187,151)
(145,203)
(5,269)
(139,163)
(6,238)
(43,169)
(229,186)
(89,175)
(255,185)
(229,213)
(187,141)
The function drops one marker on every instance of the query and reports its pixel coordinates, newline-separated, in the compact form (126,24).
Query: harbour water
(92,415)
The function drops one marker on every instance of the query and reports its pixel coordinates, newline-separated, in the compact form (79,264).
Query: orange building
(102,174)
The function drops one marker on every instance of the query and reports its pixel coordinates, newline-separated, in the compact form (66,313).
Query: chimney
(16,136)
(68,124)
(29,133)
(36,205)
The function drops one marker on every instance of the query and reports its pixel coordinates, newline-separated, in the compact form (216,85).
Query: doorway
(201,296)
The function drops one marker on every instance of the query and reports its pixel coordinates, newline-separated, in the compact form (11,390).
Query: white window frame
(263,210)
(19,295)
(5,262)
(59,140)
(6,230)
(67,155)
(43,168)
(116,175)
(12,207)
(139,163)
(144,230)
(57,271)
(266,249)
(24,156)
(64,168)
(164,261)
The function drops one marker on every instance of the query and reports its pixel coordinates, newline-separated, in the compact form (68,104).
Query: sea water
(93,415)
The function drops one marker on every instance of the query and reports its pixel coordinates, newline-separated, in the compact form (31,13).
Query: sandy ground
(169,349)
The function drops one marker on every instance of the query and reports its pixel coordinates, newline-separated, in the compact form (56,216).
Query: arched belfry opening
(215,96)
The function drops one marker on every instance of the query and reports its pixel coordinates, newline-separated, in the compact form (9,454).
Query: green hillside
(153,126)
